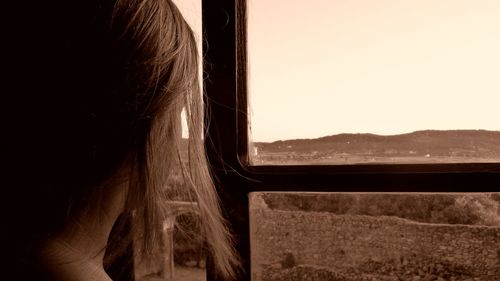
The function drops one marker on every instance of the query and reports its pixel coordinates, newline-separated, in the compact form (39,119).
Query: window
(373,82)
(246,188)
(374,236)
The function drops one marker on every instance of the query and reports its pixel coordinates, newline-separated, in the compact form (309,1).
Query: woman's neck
(77,252)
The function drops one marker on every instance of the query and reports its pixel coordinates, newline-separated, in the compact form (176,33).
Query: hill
(459,144)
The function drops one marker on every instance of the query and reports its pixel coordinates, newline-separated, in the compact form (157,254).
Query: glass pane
(374,81)
(375,236)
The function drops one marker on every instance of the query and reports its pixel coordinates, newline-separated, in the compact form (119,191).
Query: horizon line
(382,135)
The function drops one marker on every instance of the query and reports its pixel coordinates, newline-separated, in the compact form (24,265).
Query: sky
(323,67)
(191,11)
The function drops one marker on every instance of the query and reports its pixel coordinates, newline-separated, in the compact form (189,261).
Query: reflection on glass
(387,81)
(396,236)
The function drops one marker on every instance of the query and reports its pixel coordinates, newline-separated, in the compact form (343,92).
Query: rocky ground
(380,273)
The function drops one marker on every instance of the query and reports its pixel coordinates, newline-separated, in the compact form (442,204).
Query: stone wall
(346,242)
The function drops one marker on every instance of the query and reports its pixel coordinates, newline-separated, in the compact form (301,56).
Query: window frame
(225,69)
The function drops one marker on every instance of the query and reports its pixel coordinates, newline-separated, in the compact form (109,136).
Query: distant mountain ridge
(446,143)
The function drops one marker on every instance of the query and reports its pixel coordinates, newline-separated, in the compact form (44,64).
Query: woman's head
(110,80)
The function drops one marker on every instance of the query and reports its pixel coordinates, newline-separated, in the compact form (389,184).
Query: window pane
(389,81)
(375,236)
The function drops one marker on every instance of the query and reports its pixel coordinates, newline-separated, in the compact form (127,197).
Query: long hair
(108,82)
(158,30)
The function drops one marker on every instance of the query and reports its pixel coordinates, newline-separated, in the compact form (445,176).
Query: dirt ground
(183,273)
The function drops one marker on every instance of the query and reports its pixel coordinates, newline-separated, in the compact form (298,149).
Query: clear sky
(191,10)
(323,67)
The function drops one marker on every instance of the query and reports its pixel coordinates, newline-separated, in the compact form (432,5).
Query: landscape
(428,146)
(361,236)
(375,236)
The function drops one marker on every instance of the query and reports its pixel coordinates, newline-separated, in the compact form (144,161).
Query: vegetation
(477,209)
(428,145)
(188,242)
(188,239)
